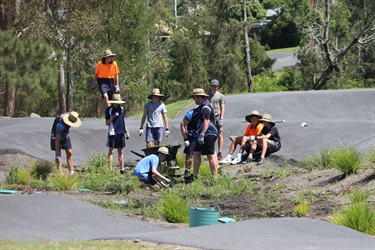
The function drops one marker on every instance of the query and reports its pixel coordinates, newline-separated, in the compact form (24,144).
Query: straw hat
(155,92)
(253,113)
(163,150)
(199,91)
(108,53)
(116,98)
(267,118)
(72,119)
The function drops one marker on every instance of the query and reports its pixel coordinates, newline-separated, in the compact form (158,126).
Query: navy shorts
(116,141)
(189,150)
(154,134)
(106,86)
(150,180)
(208,148)
(64,144)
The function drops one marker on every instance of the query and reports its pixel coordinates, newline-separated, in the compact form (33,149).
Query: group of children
(260,135)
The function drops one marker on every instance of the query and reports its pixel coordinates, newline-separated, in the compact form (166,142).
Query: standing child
(117,131)
(155,112)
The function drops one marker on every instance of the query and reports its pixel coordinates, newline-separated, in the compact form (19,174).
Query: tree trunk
(247,48)
(62,106)
(9,94)
(69,98)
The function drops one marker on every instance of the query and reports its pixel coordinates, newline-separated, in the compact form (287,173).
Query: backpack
(58,119)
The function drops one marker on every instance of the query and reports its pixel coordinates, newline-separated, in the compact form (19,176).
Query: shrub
(63,182)
(97,162)
(13,176)
(118,186)
(358,216)
(302,208)
(24,177)
(42,169)
(173,208)
(347,159)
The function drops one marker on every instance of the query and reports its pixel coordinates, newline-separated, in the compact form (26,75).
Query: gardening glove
(201,139)
(232,137)
(127,135)
(186,142)
(140,132)
(115,115)
(117,88)
(167,180)
(220,123)
(167,132)
(58,156)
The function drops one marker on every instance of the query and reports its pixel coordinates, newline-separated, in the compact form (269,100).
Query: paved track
(334,118)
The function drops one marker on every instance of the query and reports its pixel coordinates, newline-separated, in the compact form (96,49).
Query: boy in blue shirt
(117,131)
(147,169)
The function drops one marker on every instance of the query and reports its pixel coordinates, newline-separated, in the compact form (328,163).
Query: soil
(282,183)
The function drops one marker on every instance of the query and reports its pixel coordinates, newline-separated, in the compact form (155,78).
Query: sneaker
(261,161)
(250,160)
(236,160)
(226,160)
(122,171)
(219,156)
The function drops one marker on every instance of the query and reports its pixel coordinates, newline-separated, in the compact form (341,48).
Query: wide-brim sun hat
(108,53)
(199,92)
(72,119)
(163,150)
(267,118)
(155,92)
(215,82)
(116,98)
(253,113)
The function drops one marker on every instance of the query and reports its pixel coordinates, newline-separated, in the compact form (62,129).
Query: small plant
(24,177)
(302,208)
(97,162)
(320,161)
(13,176)
(358,195)
(117,186)
(42,169)
(173,208)
(370,156)
(347,159)
(63,182)
(358,216)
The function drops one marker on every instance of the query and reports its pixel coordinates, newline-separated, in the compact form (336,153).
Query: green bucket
(203,216)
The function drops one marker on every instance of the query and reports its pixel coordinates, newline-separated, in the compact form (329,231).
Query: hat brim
(117,102)
(199,95)
(114,55)
(248,117)
(164,153)
(71,124)
(261,120)
(150,96)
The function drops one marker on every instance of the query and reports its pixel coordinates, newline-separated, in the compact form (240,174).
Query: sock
(72,172)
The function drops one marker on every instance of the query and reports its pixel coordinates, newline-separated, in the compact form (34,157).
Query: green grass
(283,50)
(347,159)
(173,208)
(358,216)
(359,195)
(302,208)
(173,109)
(63,182)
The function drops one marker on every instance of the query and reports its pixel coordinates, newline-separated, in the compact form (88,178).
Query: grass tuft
(358,216)
(63,182)
(42,169)
(302,208)
(347,159)
(173,208)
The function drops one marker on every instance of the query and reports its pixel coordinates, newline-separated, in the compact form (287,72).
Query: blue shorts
(116,141)
(154,134)
(208,148)
(64,144)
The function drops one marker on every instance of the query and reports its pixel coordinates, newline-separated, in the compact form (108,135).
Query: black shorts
(116,141)
(208,148)
(150,180)
(64,144)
